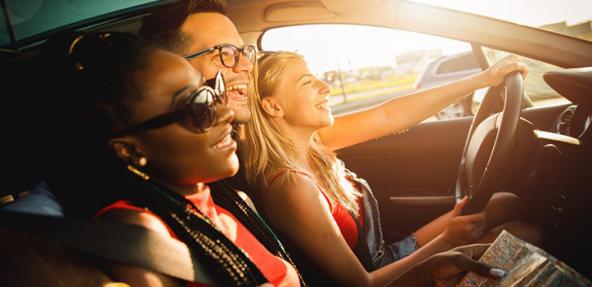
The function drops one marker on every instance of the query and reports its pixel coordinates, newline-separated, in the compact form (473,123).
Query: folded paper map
(525,265)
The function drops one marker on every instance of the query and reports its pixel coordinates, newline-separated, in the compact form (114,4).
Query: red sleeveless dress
(345,221)
(276,270)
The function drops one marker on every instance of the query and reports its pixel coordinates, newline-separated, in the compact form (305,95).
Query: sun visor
(297,11)
(348,6)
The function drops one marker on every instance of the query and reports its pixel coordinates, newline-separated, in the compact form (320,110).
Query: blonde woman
(287,152)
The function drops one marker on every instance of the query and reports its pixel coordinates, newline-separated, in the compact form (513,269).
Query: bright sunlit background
(366,65)
(363,51)
(372,46)
(527,12)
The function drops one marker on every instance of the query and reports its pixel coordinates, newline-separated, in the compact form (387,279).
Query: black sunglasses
(200,107)
(229,54)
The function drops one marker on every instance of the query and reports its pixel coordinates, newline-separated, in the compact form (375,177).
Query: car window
(466,61)
(539,93)
(4,38)
(33,17)
(367,65)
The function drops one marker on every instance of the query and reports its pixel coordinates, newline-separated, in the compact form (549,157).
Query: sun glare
(527,12)
(342,52)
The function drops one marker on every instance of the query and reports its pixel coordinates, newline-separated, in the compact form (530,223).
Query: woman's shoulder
(290,178)
(125,212)
(293,187)
(286,180)
(287,176)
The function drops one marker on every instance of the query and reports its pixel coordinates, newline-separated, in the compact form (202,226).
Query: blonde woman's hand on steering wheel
(496,73)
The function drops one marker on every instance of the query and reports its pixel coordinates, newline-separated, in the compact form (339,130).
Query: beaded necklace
(205,240)
(226,196)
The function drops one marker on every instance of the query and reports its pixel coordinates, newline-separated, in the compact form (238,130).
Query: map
(525,265)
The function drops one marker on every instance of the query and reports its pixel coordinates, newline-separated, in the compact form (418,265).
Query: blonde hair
(264,148)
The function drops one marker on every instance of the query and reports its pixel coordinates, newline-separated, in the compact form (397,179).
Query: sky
(354,47)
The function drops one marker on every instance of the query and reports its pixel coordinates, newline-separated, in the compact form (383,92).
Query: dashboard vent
(565,120)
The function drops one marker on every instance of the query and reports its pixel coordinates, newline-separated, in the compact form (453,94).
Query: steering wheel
(488,146)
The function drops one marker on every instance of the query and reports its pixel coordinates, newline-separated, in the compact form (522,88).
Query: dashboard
(574,121)
(576,85)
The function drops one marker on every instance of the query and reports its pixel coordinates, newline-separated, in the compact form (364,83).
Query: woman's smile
(323,106)
(225,143)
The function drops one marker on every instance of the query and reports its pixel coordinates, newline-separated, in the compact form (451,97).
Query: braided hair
(94,74)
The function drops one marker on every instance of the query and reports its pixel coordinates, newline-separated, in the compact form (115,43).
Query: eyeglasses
(200,108)
(229,54)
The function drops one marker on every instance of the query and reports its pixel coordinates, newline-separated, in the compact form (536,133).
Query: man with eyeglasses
(200,31)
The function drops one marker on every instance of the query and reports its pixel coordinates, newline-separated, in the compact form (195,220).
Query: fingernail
(499,273)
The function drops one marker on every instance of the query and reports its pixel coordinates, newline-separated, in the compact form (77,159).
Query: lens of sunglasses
(217,83)
(202,108)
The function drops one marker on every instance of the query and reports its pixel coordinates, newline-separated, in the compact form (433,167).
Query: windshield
(380,64)
(571,17)
(28,18)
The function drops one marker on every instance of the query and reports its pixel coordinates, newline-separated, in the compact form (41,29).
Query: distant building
(581,30)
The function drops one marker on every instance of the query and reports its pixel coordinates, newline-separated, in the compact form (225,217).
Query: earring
(141,161)
(136,157)
(138,160)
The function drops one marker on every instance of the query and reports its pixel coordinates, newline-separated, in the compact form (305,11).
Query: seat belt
(115,241)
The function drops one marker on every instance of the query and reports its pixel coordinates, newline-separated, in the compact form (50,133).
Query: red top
(344,220)
(276,270)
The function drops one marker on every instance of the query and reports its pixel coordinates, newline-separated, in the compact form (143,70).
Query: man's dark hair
(163,27)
